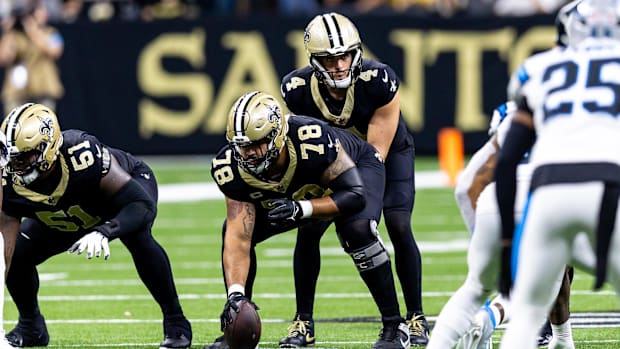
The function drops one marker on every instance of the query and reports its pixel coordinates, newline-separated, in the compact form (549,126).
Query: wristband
(236,288)
(306,208)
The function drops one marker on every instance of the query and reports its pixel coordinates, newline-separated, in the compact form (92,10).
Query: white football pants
(556,215)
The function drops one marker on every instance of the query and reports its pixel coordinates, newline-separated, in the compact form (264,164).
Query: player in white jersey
(475,195)
(568,104)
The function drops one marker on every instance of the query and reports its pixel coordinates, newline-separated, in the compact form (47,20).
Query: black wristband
(109,229)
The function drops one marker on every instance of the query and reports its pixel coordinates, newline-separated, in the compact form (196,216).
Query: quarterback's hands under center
(93,243)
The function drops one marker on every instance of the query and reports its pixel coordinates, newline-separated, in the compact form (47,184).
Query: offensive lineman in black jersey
(361,95)
(275,173)
(76,194)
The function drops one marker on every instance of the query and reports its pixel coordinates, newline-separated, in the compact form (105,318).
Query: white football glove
(93,243)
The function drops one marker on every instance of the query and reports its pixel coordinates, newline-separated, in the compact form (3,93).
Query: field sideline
(103,304)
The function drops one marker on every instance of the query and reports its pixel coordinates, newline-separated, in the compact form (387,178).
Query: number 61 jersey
(68,199)
(574,96)
(312,146)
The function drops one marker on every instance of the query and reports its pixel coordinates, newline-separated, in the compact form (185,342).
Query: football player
(361,95)
(65,190)
(278,172)
(475,195)
(568,112)
(4,159)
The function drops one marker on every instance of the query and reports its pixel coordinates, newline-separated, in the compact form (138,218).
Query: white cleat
(557,344)
(5,345)
(479,335)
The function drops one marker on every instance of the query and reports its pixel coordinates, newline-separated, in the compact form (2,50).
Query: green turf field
(102,304)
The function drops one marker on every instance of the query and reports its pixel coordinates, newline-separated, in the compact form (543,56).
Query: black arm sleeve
(518,140)
(348,192)
(137,210)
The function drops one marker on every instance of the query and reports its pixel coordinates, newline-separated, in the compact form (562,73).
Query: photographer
(29,49)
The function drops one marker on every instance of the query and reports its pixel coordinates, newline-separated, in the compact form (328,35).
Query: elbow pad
(348,192)
(136,210)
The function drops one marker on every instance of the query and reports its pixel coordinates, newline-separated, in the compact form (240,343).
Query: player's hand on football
(232,304)
(285,213)
(93,243)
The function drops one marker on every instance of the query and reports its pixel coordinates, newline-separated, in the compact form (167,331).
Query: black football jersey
(312,146)
(69,199)
(376,86)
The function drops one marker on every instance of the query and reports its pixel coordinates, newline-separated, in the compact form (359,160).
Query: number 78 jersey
(574,96)
(312,146)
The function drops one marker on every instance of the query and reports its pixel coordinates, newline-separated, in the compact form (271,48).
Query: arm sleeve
(137,211)
(348,192)
(518,141)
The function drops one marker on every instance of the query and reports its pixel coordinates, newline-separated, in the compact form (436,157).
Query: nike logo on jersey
(145,175)
(385,78)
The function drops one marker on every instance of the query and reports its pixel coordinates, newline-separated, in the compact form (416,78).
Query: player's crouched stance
(275,173)
(75,193)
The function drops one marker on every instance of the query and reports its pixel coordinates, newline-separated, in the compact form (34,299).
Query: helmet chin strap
(29,177)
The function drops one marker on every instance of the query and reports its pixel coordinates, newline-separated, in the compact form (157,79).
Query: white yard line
(209,191)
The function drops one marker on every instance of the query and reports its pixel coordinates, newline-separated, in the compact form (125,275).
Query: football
(244,331)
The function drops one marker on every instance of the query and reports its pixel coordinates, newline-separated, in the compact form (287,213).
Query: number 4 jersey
(574,95)
(68,199)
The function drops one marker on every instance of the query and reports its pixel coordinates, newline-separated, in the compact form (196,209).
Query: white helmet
(593,18)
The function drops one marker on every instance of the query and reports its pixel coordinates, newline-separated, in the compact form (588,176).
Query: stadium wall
(164,88)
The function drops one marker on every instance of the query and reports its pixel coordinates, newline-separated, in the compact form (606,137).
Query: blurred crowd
(147,10)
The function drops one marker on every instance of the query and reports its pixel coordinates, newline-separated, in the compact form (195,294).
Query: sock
(563,331)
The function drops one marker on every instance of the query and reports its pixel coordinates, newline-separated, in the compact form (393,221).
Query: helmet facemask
(328,77)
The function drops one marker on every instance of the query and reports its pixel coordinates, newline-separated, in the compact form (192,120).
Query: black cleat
(177,333)
(418,330)
(29,333)
(300,334)
(545,335)
(219,343)
(393,336)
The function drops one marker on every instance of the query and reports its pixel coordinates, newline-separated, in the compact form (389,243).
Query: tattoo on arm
(342,163)
(248,220)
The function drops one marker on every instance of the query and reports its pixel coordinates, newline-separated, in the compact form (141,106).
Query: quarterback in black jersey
(360,95)
(280,172)
(75,193)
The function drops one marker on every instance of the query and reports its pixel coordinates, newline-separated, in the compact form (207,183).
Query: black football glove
(232,303)
(285,213)
(505,275)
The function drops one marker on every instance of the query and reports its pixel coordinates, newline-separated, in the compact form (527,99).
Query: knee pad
(370,257)
(357,234)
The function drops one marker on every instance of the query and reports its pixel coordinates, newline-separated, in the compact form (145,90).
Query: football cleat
(418,330)
(545,335)
(300,334)
(177,333)
(479,335)
(393,336)
(555,343)
(29,333)
(219,343)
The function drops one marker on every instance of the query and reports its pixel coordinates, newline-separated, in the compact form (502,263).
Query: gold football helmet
(33,140)
(256,117)
(333,34)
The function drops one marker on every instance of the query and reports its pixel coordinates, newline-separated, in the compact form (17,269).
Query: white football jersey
(574,95)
